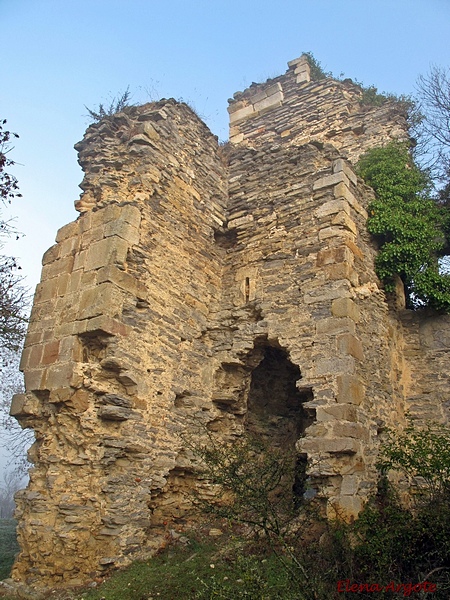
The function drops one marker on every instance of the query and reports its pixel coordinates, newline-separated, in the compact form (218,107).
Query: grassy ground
(8,546)
(197,567)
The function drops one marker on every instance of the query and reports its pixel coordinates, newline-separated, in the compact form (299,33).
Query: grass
(197,568)
(8,546)
(201,568)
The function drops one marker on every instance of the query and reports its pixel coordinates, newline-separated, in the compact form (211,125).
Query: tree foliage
(410,226)
(13,295)
(420,453)
(8,183)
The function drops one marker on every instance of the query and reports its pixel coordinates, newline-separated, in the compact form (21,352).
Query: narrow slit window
(247,289)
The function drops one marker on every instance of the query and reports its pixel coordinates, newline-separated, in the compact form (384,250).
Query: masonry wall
(293,109)
(230,290)
(114,340)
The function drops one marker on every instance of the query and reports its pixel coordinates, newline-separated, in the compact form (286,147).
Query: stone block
(124,280)
(103,299)
(350,430)
(47,290)
(350,485)
(60,376)
(52,254)
(24,405)
(345,507)
(335,231)
(32,338)
(70,246)
(31,357)
(79,262)
(150,131)
(303,75)
(62,265)
(339,254)
(342,191)
(332,412)
(237,139)
(243,113)
(124,230)
(272,89)
(341,271)
(350,389)
(295,62)
(332,207)
(111,212)
(69,230)
(50,352)
(334,325)
(349,344)
(60,395)
(331,180)
(324,293)
(345,307)
(33,379)
(330,445)
(341,165)
(92,235)
(332,365)
(104,324)
(131,214)
(112,250)
(235,106)
(356,250)
(343,219)
(269,102)
(114,413)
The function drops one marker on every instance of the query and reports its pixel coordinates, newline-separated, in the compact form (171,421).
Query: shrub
(117,104)
(408,225)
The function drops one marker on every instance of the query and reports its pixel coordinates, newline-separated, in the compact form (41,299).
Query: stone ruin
(230,286)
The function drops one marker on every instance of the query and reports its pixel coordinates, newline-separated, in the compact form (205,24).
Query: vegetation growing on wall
(409,225)
(317,72)
(116,104)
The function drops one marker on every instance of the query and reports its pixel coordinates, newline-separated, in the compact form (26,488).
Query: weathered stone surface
(231,289)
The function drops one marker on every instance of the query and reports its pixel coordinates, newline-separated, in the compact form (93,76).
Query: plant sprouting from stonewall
(117,104)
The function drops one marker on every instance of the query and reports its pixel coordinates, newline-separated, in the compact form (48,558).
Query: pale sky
(59,55)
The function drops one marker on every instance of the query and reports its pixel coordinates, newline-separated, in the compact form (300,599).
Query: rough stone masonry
(228,287)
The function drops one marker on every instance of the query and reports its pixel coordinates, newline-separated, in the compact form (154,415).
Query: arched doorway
(275,412)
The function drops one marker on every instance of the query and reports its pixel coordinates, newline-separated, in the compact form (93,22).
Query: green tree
(409,225)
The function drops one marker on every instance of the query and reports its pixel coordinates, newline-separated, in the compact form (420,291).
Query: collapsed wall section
(114,339)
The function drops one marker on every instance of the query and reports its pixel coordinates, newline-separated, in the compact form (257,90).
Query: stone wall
(115,338)
(292,109)
(226,288)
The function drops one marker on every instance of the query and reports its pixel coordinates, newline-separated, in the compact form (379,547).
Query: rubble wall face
(231,289)
(115,339)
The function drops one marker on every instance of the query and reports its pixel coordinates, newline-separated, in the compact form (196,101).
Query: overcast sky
(59,55)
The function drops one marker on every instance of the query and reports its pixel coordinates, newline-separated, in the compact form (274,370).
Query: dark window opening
(247,289)
(275,412)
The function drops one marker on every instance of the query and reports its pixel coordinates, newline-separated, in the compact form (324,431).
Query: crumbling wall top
(295,109)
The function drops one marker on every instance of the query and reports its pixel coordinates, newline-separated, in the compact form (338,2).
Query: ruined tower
(231,287)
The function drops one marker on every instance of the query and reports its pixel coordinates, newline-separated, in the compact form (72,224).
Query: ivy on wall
(408,224)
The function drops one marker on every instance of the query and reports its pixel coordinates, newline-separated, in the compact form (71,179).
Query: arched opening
(275,411)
